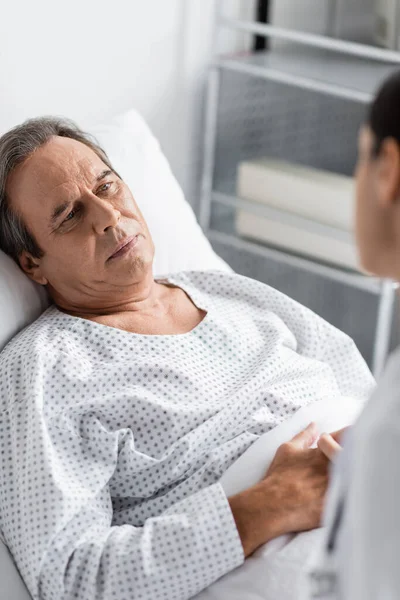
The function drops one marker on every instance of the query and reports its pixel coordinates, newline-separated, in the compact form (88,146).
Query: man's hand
(289,499)
(329,443)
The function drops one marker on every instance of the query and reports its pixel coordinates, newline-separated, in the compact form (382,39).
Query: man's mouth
(125,246)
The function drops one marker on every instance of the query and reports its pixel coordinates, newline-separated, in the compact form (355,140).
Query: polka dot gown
(113,443)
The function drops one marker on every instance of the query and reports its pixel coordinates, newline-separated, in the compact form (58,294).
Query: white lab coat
(360,557)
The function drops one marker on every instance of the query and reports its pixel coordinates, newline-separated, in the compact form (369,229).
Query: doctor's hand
(329,443)
(289,499)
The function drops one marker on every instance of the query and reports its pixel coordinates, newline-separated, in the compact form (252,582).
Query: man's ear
(389,174)
(31,267)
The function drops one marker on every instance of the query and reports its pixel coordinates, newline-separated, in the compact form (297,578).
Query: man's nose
(104,214)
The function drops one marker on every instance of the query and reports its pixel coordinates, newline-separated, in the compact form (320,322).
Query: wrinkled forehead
(57,167)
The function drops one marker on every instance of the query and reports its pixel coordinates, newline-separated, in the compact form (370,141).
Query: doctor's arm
(369,547)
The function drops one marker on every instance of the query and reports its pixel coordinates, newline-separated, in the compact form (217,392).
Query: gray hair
(16,146)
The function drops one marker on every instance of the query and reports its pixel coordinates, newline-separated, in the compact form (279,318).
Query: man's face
(78,211)
(377,206)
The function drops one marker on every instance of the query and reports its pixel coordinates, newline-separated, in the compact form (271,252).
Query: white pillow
(21,300)
(180,243)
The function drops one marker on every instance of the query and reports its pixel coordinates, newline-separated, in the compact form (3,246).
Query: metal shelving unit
(316,63)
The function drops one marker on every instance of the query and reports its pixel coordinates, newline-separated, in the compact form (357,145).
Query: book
(318,195)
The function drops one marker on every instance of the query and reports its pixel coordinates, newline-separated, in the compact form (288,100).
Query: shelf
(314,69)
(310,62)
(352,279)
(313,40)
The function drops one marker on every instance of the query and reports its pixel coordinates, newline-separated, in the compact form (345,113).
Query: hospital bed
(136,155)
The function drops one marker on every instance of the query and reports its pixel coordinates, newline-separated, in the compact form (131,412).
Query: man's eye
(68,215)
(105,187)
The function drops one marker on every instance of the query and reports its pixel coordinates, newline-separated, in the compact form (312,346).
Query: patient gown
(113,443)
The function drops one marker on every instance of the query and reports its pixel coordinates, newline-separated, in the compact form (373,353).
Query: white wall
(88,59)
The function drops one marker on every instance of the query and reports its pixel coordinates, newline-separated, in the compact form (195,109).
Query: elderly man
(127,399)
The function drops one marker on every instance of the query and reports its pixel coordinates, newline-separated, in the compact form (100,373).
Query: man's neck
(150,298)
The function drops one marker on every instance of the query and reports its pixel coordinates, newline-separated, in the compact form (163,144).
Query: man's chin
(132,265)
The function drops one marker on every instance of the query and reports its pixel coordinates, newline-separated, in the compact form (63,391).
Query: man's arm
(191,544)
(176,554)
(62,538)
(61,532)
(319,340)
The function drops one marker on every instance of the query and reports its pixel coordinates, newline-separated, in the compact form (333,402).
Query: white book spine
(292,238)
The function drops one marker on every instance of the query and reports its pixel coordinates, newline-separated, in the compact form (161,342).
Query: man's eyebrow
(61,207)
(57,212)
(103,174)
